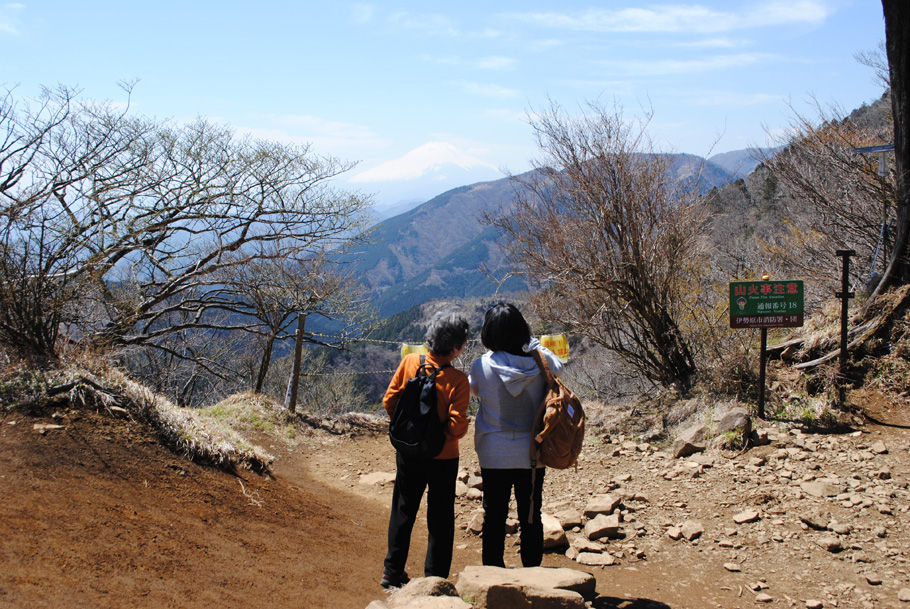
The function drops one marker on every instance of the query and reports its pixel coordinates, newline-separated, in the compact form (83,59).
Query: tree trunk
(897,45)
(264,363)
(290,398)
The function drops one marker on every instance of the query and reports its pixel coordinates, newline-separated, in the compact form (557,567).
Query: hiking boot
(389,581)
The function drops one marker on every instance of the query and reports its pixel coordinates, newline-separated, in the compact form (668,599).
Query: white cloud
(437,24)
(692,18)
(9,17)
(714,43)
(495,63)
(687,66)
(430,24)
(778,12)
(486,89)
(727,99)
(334,138)
(546,44)
(778,136)
(619,86)
(486,33)
(362,13)
(421,161)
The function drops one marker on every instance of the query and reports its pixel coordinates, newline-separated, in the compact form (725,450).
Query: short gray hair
(446,332)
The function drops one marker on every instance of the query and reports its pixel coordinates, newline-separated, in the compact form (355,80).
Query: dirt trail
(99,514)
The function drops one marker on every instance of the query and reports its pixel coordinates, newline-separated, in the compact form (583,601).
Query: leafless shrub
(836,199)
(611,241)
(122,231)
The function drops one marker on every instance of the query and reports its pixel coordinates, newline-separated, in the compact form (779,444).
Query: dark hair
(505,329)
(446,332)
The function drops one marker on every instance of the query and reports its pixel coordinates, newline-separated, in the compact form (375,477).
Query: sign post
(845,295)
(765,304)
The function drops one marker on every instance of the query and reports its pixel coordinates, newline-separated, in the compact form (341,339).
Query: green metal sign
(766,304)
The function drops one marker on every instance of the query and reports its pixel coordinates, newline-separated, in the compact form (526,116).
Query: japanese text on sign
(766,304)
(558,344)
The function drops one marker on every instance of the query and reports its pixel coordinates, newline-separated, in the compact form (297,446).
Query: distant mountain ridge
(740,163)
(443,249)
(436,250)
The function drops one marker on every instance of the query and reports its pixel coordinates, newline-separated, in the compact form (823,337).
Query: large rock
(554,536)
(830,543)
(527,588)
(815,521)
(595,559)
(603,526)
(583,544)
(749,515)
(682,411)
(601,504)
(690,441)
(475,524)
(731,417)
(692,529)
(569,518)
(821,488)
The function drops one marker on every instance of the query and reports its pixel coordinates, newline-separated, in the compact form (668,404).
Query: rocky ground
(804,520)
(97,513)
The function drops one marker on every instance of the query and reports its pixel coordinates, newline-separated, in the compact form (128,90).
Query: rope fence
(557,343)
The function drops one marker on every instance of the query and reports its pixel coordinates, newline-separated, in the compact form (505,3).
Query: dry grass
(201,435)
(195,433)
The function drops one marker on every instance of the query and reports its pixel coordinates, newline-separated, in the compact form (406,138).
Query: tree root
(883,314)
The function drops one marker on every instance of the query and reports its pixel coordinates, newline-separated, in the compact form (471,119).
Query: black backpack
(415,429)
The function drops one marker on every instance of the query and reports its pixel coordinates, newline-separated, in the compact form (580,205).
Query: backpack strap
(550,381)
(423,364)
(550,385)
(538,422)
(541,410)
(541,361)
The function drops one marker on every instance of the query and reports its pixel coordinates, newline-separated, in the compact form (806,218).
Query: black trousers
(497,490)
(437,477)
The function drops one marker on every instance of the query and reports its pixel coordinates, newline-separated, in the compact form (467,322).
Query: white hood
(516,371)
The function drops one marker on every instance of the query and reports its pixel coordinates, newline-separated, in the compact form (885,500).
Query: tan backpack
(559,424)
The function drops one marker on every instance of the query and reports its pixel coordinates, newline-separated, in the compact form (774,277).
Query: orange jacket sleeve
(455,393)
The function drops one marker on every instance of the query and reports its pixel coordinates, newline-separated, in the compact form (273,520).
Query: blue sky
(427,96)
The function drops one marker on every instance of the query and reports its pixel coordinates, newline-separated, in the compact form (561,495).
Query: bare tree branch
(610,240)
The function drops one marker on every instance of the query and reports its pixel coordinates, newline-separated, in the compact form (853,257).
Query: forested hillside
(197,290)
(445,248)
(761,225)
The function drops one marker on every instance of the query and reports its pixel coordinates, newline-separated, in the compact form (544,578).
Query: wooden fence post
(290,398)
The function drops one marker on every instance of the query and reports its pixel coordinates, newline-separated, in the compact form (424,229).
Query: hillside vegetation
(119,493)
(198,332)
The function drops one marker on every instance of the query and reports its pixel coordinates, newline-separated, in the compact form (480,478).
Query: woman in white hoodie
(510,388)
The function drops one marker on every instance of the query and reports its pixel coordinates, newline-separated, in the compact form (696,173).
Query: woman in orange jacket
(446,336)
